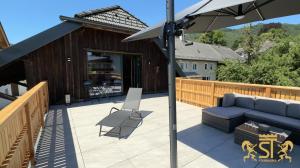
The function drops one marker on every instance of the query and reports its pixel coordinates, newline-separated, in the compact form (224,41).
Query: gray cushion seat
(277,120)
(225,112)
(293,110)
(223,118)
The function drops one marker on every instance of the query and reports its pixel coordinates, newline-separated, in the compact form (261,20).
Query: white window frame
(195,67)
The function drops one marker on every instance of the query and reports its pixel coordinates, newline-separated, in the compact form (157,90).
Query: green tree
(250,43)
(213,37)
(233,71)
(275,35)
(272,69)
(280,65)
(236,44)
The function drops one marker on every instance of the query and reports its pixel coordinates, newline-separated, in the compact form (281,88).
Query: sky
(22,19)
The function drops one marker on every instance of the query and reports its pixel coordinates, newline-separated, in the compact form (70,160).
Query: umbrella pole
(171,82)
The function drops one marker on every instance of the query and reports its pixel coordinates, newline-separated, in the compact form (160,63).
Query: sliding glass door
(105,70)
(113,74)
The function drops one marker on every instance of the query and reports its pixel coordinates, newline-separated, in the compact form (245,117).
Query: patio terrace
(70,139)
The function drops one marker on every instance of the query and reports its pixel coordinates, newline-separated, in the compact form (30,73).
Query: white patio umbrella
(205,16)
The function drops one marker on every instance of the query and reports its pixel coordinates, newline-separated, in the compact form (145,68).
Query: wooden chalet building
(87,46)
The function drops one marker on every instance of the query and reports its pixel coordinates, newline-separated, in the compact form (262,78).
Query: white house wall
(187,67)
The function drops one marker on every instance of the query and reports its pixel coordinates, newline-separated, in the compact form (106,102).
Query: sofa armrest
(219,101)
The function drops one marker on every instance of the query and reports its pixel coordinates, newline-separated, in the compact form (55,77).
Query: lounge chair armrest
(219,101)
(113,108)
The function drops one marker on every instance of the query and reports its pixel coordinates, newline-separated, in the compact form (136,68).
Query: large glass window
(105,71)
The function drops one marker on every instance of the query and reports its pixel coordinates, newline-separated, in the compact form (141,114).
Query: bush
(279,65)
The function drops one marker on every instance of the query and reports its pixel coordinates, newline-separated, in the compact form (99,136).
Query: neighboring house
(4,43)
(265,46)
(201,60)
(85,47)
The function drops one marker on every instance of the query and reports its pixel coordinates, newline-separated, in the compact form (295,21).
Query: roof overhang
(23,48)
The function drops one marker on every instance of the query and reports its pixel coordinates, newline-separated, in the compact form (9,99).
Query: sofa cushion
(225,112)
(228,100)
(293,110)
(272,119)
(244,101)
(273,106)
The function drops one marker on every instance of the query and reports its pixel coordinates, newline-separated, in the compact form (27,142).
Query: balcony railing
(20,123)
(205,93)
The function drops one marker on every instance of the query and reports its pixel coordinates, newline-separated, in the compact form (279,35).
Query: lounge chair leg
(100,131)
(141,117)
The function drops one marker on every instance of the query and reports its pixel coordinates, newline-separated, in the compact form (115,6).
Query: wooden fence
(205,93)
(20,123)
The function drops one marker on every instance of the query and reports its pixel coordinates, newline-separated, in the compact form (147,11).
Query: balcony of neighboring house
(32,133)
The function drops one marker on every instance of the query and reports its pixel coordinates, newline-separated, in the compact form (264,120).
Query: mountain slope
(232,35)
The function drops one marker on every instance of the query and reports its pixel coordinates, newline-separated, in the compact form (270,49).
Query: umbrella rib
(254,7)
(215,15)
(225,12)
(201,7)
(248,7)
(233,11)
(259,13)
(212,22)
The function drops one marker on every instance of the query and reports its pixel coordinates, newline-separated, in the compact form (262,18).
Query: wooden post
(14,89)
(268,92)
(29,134)
(41,108)
(180,91)
(212,101)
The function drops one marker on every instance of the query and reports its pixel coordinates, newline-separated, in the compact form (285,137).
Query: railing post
(212,101)
(180,90)
(41,108)
(268,92)
(29,134)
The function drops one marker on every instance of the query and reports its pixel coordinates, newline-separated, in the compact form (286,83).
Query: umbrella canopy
(208,15)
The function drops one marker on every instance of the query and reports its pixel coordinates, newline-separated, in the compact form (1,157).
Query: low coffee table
(250,131)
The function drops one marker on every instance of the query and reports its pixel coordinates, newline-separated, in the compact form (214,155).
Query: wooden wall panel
(50,62)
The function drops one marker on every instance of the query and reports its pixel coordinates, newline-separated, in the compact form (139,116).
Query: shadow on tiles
(56,146)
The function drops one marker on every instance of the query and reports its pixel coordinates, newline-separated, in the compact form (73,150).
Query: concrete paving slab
(147,145)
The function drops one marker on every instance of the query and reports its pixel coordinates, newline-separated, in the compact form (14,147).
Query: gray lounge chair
(130,110)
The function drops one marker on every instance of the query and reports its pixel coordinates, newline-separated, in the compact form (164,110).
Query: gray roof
(204,52)
(25,47)
(114,15)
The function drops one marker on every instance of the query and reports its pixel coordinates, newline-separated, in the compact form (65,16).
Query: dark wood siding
(51,62)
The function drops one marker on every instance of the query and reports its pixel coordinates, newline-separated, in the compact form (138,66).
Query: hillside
(231,35)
